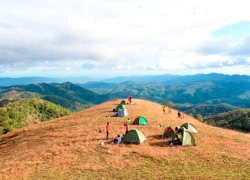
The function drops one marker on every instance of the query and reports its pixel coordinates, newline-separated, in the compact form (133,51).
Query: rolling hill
(205,109)
(237,119)
(28,111)
(67,95)
(205,98)
(70,148)
(231,92)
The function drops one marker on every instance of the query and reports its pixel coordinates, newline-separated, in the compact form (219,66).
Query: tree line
(28,111)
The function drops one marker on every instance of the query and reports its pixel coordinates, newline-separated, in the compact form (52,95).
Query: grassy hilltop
(70,148)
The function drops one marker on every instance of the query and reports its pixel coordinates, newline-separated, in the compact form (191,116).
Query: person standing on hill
(107,131)
(163,109)
(179,114)
(126,128)
(129,121)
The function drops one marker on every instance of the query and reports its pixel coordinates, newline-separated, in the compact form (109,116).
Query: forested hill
(25,112)
(205,109)
(67,94)
(237,119)
(74,97)
(22,105)
(236,93)
(205,98)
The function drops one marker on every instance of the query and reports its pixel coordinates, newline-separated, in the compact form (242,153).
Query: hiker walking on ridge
(129,100)
(107,131)
(163,109)
(179,114)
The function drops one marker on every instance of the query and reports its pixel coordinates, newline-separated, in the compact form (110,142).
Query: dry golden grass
(70,148)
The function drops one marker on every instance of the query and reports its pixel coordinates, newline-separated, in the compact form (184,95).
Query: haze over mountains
(167,78)
(6,81)
(191,90)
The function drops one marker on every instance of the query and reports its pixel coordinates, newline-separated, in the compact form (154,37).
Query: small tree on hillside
(199,117)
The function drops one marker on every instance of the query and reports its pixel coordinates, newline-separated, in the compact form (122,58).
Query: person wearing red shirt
(127,127)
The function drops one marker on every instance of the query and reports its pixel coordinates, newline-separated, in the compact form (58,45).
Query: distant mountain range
(6,81)
(206,95)
(166,79)
(209,89)
(197,89)
(236,93)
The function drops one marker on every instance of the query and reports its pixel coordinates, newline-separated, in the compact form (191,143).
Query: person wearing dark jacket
(107,130)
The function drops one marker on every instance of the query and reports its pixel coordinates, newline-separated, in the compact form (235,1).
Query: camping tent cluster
(135,136)
(122,111)
(184,134)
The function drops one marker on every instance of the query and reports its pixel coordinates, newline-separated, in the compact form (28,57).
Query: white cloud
(119,67)
(88,35)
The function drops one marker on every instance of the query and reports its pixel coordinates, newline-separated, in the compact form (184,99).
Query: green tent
(134,136)
(120,106)
(186,138)
(140,120)
(190,127)
(123,102)
(168,132)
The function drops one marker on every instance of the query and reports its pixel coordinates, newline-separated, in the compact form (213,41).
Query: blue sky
(237,31)
(110,38)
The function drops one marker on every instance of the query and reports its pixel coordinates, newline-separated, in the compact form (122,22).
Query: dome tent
(120,106)
(134,136)
(190,127)
(123,102)
(122,112)
(168,132)
(186,137)
(140,120)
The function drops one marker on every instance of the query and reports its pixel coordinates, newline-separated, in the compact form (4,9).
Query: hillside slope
(67,95)
(237,119)
(29,111)
(70,148)
(206,109)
